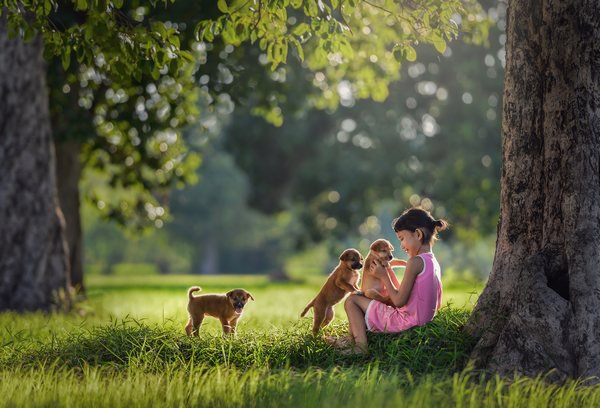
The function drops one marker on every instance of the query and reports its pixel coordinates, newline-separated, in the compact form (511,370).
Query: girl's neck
(423,249)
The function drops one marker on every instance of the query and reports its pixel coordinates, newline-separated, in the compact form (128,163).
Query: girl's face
(410,241)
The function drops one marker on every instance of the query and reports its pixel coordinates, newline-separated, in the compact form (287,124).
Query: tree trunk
(540,310)
(33,254)
(68,171)
(209,263)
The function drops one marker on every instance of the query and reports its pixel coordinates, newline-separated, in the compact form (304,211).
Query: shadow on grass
(439,347)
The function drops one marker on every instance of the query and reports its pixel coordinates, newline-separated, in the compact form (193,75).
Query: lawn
(125,346)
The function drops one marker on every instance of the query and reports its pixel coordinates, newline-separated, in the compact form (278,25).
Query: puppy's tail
(312,302)
(192,290)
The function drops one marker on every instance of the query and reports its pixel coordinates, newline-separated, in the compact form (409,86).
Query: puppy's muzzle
(239,307)
(390,257)
(357,265)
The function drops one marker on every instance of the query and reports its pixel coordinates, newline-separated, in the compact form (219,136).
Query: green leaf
(186,56)
(161,57)
(155,72)
(411,54)
(319,58)
(207,33)
(28,33)
(438,43)
(311,9)
(81,5)
(229,35)
(198,30)
(399,54)
(66,58)
(278,53)
(222,5)
(47,7)
(346,49)
(299,49)
(240,30)
(301,29)
(284,51)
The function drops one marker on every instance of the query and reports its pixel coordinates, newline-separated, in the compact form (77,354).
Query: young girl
(416,299)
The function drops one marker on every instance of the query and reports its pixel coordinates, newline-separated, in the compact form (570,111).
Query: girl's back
(426,295)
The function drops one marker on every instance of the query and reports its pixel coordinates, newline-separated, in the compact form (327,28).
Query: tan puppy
(372,287)
(342,280)
(227,308)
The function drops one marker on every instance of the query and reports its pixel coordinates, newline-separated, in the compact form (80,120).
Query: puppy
(372,287)
(227,308)
(342,280)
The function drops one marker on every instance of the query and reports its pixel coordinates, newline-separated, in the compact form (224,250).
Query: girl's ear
(419,234)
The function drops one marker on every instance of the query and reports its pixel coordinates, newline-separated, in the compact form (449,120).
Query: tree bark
(68,171)
(540,311)
(33,254)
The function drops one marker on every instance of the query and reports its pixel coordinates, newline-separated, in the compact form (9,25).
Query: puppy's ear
(344,256)
(229,294)
(249,295)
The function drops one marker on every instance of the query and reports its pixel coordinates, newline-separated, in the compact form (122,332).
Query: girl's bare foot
(354,350)
(339,342)
(346,345)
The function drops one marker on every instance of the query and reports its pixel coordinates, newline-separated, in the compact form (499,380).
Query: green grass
(125,346)
(437,348)
(219,386)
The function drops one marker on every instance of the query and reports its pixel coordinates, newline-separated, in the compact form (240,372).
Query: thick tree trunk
(540,310)
(68,172)
(33,257)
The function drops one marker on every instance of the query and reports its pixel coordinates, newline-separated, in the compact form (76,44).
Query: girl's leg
(356,307)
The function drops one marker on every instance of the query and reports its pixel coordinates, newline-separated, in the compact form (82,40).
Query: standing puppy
(371,286)
(227,308)
(342,280)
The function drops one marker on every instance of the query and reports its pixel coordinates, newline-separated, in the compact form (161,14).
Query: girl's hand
(394,263)
(379,268)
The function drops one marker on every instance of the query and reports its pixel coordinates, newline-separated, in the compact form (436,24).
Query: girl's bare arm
(399,292)
(395,263)
(393,277)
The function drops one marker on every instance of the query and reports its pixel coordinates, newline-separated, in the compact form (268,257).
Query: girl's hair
(418,218)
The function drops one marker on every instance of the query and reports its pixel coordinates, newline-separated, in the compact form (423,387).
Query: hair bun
(440,224)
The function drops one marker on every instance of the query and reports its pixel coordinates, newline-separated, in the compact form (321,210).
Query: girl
(416,299)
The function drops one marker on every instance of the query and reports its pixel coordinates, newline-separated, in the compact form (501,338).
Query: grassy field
(125,346)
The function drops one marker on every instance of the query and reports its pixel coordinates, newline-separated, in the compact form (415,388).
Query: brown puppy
(227,308)
(342,280)
(372,287)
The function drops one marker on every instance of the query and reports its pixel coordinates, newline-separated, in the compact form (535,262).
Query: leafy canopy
(361,41)
(139,68)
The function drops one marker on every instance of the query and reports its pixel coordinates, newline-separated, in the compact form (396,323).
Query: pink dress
(423,303)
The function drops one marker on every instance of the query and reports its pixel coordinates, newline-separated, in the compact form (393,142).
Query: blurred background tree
(338,176)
